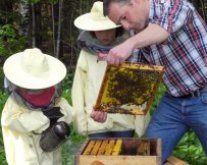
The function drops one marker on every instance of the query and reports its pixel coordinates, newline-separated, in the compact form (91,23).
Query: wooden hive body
(113,151)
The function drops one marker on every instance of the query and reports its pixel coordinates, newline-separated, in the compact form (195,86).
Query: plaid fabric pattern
(184,54)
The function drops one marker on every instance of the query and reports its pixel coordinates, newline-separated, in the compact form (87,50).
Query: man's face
(132,16)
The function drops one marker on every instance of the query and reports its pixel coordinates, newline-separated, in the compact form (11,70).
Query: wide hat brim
(17,75)
(87,23)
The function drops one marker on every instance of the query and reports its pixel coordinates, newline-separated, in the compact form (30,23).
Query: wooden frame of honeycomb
(129,88)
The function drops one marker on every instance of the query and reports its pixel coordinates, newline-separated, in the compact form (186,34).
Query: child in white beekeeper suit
(35,119)
(98,35)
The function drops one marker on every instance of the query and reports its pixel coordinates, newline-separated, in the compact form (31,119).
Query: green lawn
(189,148)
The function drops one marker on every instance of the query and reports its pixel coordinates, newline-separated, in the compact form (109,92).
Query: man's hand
(99,116)
(120,53)
(152,34)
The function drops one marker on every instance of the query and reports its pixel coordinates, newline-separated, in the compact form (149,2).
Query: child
(35,119)
(99,35)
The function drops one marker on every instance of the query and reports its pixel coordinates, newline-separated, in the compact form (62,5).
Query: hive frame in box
(129,88)
(100,151)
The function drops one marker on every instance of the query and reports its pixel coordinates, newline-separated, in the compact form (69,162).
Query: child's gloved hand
(53,113)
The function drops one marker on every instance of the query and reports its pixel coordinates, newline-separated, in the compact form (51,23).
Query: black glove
(53,113)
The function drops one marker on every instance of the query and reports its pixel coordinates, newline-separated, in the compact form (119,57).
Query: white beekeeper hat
(95,20)
(32,69)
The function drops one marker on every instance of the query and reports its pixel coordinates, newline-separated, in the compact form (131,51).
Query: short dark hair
(106,4)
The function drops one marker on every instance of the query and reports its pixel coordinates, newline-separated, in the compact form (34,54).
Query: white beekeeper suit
(86,84)
(89,75)
(22,123)
(22,130)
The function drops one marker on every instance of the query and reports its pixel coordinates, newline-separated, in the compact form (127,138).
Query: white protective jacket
(86,84)
(22,129)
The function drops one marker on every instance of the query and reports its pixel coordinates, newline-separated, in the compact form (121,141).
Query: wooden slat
(117,147)
(175,161)
(102,147)
(96,147)
(119,160)
(88,149)
(109,147)
(158,147)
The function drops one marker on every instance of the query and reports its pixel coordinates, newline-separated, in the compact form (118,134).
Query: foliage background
(48,25)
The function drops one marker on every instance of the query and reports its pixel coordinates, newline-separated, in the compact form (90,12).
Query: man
(169,33)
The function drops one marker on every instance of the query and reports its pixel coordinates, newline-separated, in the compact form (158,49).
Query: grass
(188,149)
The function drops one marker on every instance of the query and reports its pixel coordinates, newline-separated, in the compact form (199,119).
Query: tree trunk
(53,28)
(33,26)
(59,28)
(24,12)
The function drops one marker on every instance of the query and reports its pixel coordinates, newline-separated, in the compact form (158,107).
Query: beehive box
(117,151)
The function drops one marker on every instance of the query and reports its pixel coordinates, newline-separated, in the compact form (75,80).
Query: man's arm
(153,34)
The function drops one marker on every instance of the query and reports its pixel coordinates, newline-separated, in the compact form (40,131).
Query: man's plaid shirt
(184,53)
